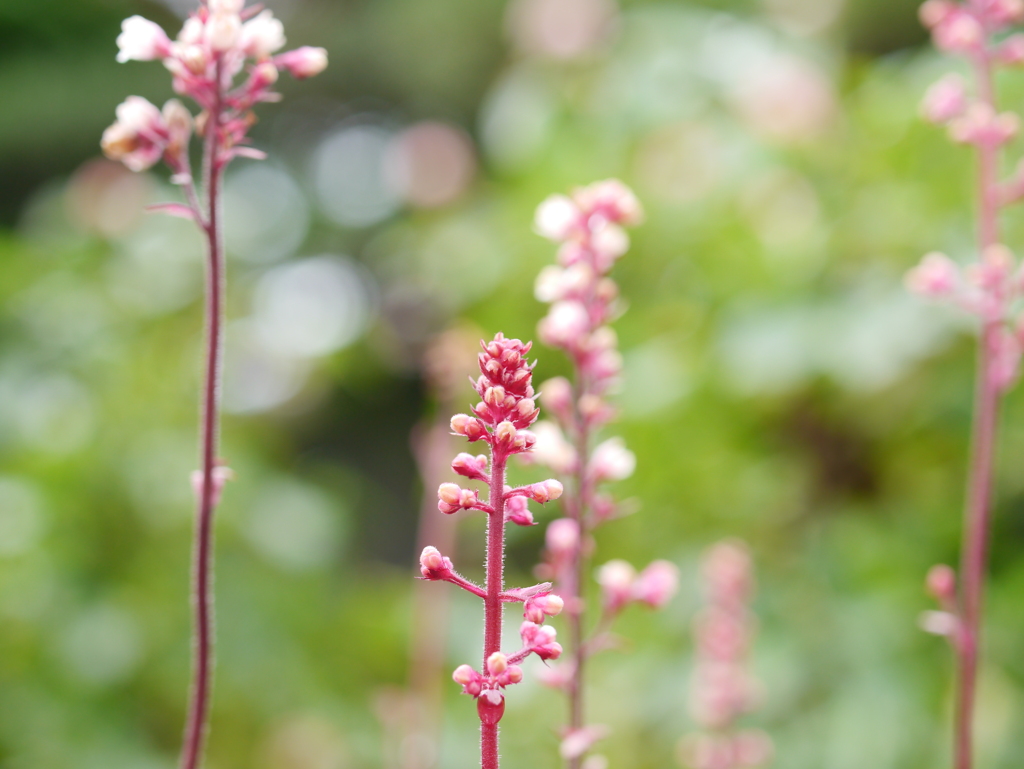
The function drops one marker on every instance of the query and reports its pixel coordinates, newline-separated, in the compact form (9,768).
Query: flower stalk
(218,42)
(986,289)
(589,226)
(500,419)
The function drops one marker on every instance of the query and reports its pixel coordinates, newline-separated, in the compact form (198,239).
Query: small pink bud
(958,32)
(546,491)
(562,537)
(433,565)
(518,512)
(471,467)
(142,40)
(464,675)
(557,397)
(980,125)
(656,584)
(565,324)
(935,12)
(463,424)
(610,199)
(505,433)
(945,100)
(612,461)
(450,493)
(497,664)
(303,62)
(616,580)
(545,605)
(514,674)
(941,582)
(936,276)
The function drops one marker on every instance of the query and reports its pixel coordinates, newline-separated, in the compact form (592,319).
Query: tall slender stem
(202,551)
(576,612)
(977,512)
(492,603)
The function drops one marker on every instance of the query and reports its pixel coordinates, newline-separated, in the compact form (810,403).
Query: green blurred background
(780,385)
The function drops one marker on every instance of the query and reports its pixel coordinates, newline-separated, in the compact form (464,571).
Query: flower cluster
(217,42)
(990,287)
(584,300)
(722,689)
(501,418)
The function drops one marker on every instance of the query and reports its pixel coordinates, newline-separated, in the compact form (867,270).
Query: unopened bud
(546,491)
(497,664)
(941,582)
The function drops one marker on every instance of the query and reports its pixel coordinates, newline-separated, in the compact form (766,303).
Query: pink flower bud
(980,125)
(936,276)
(557,218)
(545,605)
(934,12)
(433,565)
(546,491)
(471,467)
(610,199)
(562,537)
(142,40)
(518,512)
(463,424)
(540,639)
(564,325)
(303,62)
(452,498)
(945,100)
(958,32)
(497,664)
(514,674)
(505,433)
(612,461)
(464,675)
(656,584)
(450,493)
(262,35)
(941,583)
(557,397)
(616,581)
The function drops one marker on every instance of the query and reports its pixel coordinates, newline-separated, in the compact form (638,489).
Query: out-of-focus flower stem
(202,551)
(977,514)
(577,652)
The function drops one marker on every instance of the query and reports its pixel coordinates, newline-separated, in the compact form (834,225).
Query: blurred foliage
(779,384)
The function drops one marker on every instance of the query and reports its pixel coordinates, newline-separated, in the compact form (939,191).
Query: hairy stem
(980,473)
(202,548)
(493,605)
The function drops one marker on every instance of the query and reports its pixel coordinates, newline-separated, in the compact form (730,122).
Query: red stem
(202,548)
(576,641)
(980,473)
(493,605)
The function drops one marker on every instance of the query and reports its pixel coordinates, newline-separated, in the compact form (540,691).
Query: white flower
(262,35)
(612,461)
(141,40)
(556,218)
(222,31)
